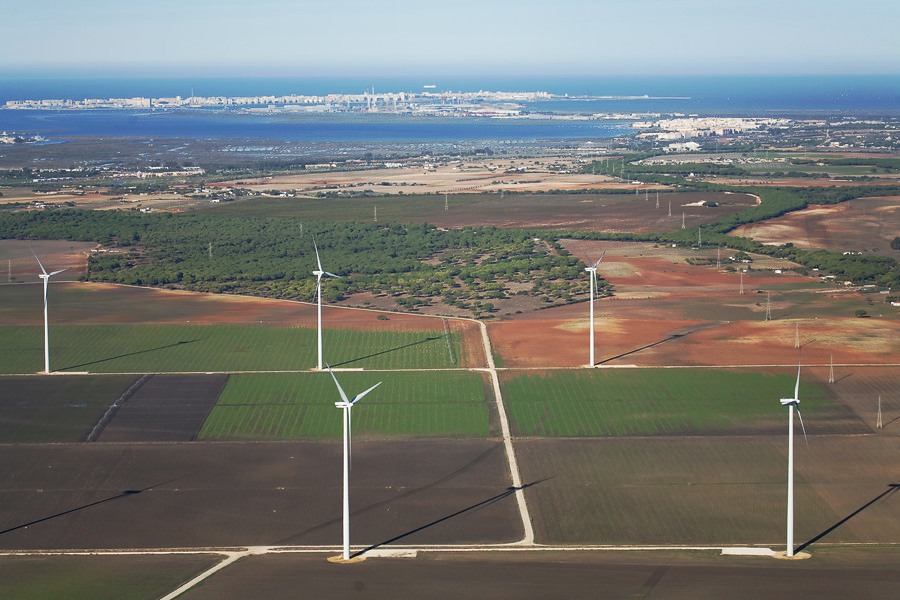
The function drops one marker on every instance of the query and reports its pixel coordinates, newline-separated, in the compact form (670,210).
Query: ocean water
(749,96)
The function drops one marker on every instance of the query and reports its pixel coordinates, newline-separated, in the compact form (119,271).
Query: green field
(97,577)
(641,402)
(206,348)
(55,409)
(290,406)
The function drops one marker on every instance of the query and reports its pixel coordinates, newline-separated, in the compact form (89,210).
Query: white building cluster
(695,127)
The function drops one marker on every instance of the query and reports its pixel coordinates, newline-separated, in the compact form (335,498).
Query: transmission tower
(768,306)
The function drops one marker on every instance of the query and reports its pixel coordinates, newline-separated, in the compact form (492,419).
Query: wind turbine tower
(792,403)
(347,405)
(592,271)
(682,220)
(319,273)
(45,276)
(670,208)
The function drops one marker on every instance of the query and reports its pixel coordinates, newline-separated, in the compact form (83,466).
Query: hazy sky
(395,37)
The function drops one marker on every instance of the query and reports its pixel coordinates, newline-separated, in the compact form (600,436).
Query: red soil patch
(666,312)
(19,264)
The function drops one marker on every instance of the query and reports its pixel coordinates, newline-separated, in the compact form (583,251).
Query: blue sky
(479,37)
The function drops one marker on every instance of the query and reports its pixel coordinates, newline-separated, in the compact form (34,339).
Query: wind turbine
(46,277)
(593,275)
(347,406)
(319,273)
(792,403)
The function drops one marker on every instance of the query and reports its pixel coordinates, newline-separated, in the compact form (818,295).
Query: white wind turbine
(319,273)
(592,270)
(347,406)
(792,403)
(46,277)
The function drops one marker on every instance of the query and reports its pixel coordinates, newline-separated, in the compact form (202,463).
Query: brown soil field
(165,408)
(19,264)
(48,409)
(863,225)
(474,175)
(585,211)
(832,574)
(166,495)
(711,490)
(666,312)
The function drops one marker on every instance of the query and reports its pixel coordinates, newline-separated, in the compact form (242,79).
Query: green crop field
(97,577)
(289,406)
(55,409)
(631,402)
(203,348)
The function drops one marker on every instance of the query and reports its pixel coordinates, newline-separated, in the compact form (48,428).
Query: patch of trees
(469,268)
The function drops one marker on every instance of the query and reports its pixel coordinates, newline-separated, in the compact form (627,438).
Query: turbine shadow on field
(410,345)
(135,353)
(495,498)
(449,477)
(892,487)
(125,494)
(674,336)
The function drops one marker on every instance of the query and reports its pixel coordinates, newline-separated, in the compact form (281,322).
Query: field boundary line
(111,411)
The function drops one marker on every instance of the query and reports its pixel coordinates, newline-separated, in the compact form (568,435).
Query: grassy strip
(203,348)
(616,403)
(289,406)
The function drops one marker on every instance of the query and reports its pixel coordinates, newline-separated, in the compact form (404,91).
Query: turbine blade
(40,264)
(797,385)
(340,389)
(799,416)
(56,272)
(350,436)
(359,396)
(332,275)
(318,262)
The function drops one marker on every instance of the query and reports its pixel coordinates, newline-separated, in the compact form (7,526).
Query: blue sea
(745,96)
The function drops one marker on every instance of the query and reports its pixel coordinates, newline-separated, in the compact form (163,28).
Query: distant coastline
(491,104)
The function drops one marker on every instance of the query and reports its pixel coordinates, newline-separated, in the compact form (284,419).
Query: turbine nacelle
(789,401)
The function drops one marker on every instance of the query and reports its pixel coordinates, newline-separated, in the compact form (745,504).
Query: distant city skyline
(502,37)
